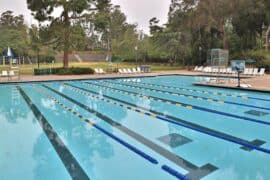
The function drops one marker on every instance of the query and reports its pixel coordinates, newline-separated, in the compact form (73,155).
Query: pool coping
(143,75)
(107,76)
(232,87)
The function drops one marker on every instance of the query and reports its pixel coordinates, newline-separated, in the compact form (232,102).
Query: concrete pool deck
(261,83)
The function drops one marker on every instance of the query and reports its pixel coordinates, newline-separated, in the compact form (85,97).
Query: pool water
(158,128)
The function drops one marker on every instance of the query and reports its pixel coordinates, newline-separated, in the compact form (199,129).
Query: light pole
(136,51)
(200,50)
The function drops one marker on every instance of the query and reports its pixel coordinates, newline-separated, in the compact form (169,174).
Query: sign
(238,65)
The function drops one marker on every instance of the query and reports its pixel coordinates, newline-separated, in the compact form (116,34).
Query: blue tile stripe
(171,119)
(174,173)
(127,145)
(184,95)
(178,103)
(202,91)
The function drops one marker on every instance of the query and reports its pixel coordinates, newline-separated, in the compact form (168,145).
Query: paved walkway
(258,83)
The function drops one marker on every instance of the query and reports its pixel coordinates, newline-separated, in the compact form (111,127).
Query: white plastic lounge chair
(220,70)
(228,71)
(215,70)
(120,71)
(101,71)
(223,70)
(196,68)
(129,71)
(4,74)
(250,72)
(208,69)
(96,71)
(139,70)
(200,69)
(125,71)
(262,72)
(246,71)
(11,73)
(204,69)
(134,70)
(255,72)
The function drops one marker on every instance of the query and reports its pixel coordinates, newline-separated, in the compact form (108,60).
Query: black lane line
(187,124)
(184,104)
(73,167)
(187,95)
(204,91)
(193,170)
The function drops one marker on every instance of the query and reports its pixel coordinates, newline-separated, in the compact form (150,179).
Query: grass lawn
(29,69)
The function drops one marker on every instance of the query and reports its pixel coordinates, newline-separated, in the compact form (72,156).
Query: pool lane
(194,171)
(142,86)
(25,150)
(209,102)
(198,121)
(187,82)
(227,95)
(72,117)
(246,109)
(139,123)
(181,103)
(163,117)
(73,167)
(215,92)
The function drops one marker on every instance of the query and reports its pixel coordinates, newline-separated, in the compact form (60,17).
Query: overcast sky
(137,11)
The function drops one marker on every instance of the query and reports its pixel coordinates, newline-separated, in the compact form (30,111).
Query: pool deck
(258,83)
(261,83)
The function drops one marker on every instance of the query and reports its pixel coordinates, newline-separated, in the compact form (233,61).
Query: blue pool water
(158,128)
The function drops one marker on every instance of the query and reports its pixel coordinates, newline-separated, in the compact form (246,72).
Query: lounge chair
(262,72)
(255,72)
(101,71)
(125,71)
(96,71)
(200,69)
(134,70)
(229,71)
(215,70)
(121,71)
(204,69)
(11,73)
(196,68)
(129,71)
(139,70)
(246,71)
(224,70)
(208,70)
(250,72)
(4,74)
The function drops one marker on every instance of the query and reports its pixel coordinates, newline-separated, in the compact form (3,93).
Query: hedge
(63,71)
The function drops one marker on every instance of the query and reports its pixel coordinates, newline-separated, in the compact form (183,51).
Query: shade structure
(9,53)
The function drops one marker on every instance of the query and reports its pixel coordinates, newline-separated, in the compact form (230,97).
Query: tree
(72,10)
(35,41)
(116,36)
(248,22)
(14,33)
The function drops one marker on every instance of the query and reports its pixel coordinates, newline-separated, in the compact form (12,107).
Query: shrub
(62,71)
(73,71)
(262,59)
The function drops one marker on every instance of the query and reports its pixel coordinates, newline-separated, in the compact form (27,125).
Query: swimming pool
(158,128)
